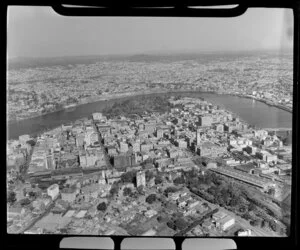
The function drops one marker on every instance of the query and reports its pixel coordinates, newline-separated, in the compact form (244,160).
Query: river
(254,112)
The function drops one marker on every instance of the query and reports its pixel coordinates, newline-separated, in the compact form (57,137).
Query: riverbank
(256,114)
(120,96)
(125,95)
(266,102)
(109,98)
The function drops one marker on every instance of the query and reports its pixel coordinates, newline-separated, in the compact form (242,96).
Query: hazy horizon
(39,32)
(156,53)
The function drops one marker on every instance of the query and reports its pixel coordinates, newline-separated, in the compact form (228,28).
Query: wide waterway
(254,112)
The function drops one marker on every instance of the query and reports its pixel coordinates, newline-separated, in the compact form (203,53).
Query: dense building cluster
(127,175)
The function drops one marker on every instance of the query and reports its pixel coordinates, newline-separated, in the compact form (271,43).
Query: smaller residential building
(247,232)
(53,191)
(69,194)
(140,179)
(225,222)
(150,213)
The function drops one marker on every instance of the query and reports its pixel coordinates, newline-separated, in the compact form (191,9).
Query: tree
(64,231)
(140,190)
(170,190)
(264,223)
(214,178)
(114,189)
(219,182)
(220,200)
(255,222)
(128,177)
(205,204)
(158,180)
(102,206)
(32,195)
(44,97)
(246,216)
(272,213)
(233,190)
(238,201)
(11,197)
(171,224)
(149,175)
(31,143)
(193,182)
(25,202)
(251,207)
(271,191)
(214,190)
(147,161)
(226,198)
(151,198)
(159,218)
(192,173)
(127,191)
(273,225)
(89,217)
(179,180)
(242,209)
(180,224)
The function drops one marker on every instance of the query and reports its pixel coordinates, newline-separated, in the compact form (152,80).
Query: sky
(41,32)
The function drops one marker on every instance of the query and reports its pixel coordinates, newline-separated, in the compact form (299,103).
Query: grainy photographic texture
(149,126)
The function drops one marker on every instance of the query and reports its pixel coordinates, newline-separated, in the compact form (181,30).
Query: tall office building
(103,174)
(136,147)
(228,128)
(50,162)
(150,127)
(123,147)
(198,137)
(219,128)
(24,138)
(124,160)
(53,191)
(91,137)
(97,116)
(159,133)
(205,121)
(140,179)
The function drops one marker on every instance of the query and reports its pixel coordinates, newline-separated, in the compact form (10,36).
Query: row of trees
(178,224)
(11,197)
(179,180)
(127,191)
(128,177)
(158,179)
(114,189)
(149,175)
(170,190)
(236,198)
(138,105)
(151,198)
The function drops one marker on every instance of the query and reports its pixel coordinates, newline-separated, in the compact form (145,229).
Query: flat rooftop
(253,180)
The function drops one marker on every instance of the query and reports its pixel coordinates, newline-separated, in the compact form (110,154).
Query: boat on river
(70,107)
